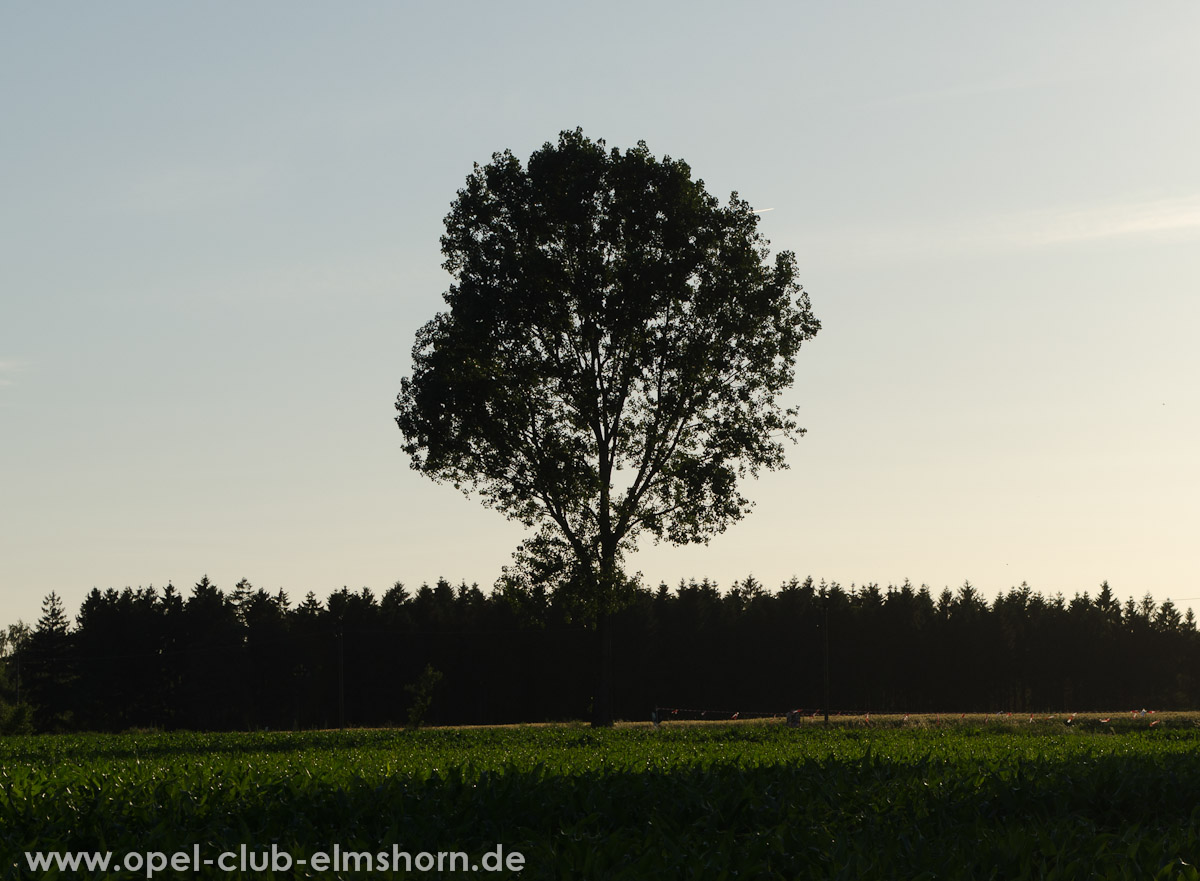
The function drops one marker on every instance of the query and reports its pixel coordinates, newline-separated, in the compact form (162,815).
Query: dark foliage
(149,658)
(609,364)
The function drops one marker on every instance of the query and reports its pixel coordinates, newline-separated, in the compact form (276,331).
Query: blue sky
(221,225)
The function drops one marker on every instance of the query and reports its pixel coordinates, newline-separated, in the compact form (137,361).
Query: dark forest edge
(249,659)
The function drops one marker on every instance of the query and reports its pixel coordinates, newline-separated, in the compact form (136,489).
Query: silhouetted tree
(314,673)
(49,667)
(610,361)
(213,687)
(269,656)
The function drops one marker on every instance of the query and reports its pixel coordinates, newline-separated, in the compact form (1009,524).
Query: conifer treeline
(250,659)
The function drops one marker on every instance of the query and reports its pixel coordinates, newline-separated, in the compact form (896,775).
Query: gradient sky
(220,233)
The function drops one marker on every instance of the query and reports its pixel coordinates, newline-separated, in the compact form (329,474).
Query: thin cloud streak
(1177,219)
(1162,216)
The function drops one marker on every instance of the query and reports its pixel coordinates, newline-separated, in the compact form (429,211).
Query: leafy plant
(422,695)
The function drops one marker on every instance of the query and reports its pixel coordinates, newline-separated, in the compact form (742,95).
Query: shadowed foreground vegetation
(756,800)
(249,659)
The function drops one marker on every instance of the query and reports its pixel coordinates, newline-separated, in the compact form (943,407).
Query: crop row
(760,801)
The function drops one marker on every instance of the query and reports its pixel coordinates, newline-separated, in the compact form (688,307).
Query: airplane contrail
(761,210)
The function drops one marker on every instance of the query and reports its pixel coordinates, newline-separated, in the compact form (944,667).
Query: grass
(928,797)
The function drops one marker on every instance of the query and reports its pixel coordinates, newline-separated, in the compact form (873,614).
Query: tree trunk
(602,702)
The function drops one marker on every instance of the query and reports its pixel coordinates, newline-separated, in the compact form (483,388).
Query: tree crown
(614,348)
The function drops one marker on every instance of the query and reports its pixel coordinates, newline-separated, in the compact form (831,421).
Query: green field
(971,798)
